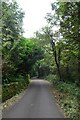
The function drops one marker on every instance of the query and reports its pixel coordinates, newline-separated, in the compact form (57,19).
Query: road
(36,103)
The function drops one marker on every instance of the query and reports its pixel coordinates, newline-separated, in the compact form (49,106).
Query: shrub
(70,101)
(52,78)
(9,90)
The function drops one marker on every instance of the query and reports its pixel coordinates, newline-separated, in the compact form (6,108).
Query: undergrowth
(69,98)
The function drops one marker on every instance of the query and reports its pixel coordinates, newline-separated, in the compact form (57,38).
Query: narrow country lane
(36,103)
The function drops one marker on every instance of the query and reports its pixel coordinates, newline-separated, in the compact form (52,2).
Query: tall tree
(12,17)
(48,42)
(53,20)
(70,27)
(63,17)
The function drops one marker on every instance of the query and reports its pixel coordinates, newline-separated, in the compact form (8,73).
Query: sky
(35,11)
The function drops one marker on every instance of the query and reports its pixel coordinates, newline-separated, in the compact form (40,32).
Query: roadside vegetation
(67,95)
(19,54)
(53,54)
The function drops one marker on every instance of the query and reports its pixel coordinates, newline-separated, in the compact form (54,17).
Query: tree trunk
(57,64)
(57,61)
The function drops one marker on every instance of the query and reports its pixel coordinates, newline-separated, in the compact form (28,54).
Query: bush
(70,105)
(70,88)
(70,100)
(52,78)
(9,90)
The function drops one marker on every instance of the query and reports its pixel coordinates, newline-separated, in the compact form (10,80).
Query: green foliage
(27,53)
(69,28)
(65,87)
(19,54)
(52,78)
(43,36)
(70,102)
(69,88)
(12,17)
(66,38)
(21,59)
(9,90)
(69,96)
(44,66)
(70,106)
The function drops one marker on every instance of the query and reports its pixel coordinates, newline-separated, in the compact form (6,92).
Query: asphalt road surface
(36,103)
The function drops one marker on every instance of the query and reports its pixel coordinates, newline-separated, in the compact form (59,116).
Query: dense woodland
(53,54)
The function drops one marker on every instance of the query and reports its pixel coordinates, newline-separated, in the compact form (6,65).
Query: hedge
(9,90)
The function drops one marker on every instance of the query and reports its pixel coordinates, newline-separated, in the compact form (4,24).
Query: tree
(70,28)
(12,17)
(56,56)
(27,53)
(22,57)
(63,17)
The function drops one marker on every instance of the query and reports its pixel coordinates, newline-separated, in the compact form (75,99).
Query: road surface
(36,103)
